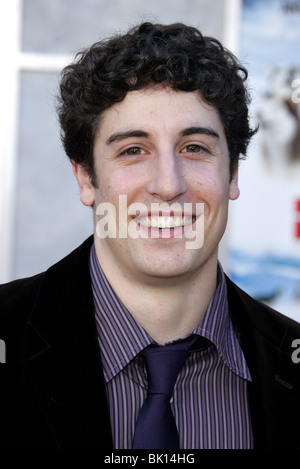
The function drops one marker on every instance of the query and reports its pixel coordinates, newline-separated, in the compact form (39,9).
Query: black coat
(52,391)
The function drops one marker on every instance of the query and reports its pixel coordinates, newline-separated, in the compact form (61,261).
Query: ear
(234,190)
(86,188)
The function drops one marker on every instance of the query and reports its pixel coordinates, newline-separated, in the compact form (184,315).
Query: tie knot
(164,364)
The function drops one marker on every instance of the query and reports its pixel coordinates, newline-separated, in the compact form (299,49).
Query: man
(154,122)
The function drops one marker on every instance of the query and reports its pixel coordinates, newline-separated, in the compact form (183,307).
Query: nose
(166,180)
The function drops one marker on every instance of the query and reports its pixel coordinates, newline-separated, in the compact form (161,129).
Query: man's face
(161,146)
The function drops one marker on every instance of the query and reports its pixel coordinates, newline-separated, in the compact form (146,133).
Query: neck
(170,312)
(167,308)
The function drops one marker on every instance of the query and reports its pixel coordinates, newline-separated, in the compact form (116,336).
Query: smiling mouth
(165,222)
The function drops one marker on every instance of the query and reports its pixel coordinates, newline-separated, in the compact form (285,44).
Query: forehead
(160,109)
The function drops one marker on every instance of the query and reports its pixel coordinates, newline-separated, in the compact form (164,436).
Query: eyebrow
(117,136)
(199,130)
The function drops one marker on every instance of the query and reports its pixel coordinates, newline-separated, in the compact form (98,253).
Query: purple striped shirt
(210,400)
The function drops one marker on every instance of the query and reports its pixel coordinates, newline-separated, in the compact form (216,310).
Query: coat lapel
(63,356)
(266,338)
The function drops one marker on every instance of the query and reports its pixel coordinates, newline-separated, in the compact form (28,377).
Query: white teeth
(165,222)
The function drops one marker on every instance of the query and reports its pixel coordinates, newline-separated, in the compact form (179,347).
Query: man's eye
(133,151)
(193,148)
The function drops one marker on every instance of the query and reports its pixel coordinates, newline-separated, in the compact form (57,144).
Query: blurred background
(41,217)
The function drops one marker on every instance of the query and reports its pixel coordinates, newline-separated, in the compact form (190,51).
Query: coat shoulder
(267,322)
(17,300)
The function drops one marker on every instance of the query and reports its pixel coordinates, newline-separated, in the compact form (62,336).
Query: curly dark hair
(176,56)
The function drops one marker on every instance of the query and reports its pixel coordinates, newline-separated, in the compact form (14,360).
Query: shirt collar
(121,337)
(217,326)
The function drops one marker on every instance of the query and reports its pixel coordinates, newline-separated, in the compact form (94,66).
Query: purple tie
(155,426)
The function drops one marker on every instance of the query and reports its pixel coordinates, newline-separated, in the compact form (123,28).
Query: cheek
(114,183)
(211,186)
(214,192)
